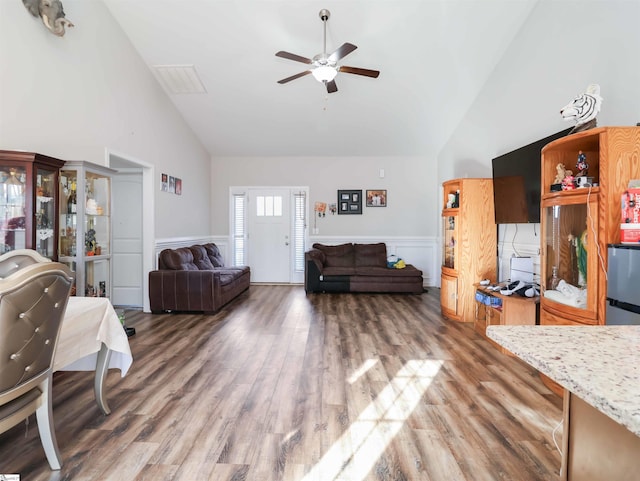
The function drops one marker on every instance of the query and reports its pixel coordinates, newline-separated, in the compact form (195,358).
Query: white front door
(268,235)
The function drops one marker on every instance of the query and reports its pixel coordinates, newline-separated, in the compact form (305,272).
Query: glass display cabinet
(468,244)
(570,230)
(577,223)
(29,202)
(85,226)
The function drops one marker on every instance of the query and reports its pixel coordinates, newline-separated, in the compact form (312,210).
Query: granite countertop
(599,364)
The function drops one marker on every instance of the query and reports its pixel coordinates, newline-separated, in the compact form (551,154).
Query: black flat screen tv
(516,183)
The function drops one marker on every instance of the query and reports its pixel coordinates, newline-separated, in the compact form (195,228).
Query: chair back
(15,260)
(32,305)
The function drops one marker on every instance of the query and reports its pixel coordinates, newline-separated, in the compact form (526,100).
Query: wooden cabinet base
(596,447)
(552,385)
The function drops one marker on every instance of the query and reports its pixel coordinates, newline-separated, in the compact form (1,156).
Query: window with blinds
(239,229)
(299,224)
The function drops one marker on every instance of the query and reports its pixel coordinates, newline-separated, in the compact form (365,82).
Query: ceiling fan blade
(293,77)
(360,71)
(342,52)
(331,86)
(293,56)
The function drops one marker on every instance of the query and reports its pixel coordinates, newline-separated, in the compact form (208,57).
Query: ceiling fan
(323,67)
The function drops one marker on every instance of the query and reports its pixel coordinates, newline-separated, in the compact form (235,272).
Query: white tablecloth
(88,323)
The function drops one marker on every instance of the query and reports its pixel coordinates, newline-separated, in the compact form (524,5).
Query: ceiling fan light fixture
(323,67)
(324,73)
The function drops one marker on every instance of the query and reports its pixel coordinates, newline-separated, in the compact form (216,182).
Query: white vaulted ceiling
(434,57)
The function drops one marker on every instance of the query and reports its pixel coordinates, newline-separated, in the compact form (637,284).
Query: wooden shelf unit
(469,245)
(514,310)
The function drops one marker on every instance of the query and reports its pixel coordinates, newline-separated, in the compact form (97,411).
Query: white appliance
(521,269)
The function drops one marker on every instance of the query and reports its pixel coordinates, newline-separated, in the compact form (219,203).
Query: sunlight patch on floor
(377,425)
(368,364)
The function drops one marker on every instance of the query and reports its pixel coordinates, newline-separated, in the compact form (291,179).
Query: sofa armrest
(316,256)
(171,290)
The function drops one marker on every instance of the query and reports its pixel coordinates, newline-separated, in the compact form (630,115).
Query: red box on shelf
(630,233)
(630,206)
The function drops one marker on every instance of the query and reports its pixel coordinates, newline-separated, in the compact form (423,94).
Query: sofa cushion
(370,255)
(180,259)
(214,254)
(388,272)
(337,256)
(338,271)
(200,258)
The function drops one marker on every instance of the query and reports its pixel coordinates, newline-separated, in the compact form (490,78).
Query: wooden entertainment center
(576,227)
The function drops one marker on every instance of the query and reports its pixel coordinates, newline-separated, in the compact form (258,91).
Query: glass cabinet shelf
(570,262)
(85,226)
(449,242)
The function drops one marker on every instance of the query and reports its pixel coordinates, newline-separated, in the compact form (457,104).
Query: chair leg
(46,428)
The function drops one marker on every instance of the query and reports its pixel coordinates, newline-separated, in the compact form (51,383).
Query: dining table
(92,338)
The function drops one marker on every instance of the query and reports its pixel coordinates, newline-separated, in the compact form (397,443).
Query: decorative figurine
(582,166)
(561,173)
(568,183)
(583,109)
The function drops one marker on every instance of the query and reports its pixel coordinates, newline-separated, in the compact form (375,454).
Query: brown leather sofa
(357,268)
(195,279)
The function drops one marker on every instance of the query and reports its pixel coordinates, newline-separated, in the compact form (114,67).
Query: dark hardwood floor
(281,385)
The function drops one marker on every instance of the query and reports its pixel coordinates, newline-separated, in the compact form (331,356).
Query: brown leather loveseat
(357,268)
(195,279)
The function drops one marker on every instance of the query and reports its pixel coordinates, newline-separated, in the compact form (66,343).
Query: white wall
(412,191)
(75,96)
(405,225)
(562,47)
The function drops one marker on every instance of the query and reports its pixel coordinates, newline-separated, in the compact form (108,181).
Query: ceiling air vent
(179,79)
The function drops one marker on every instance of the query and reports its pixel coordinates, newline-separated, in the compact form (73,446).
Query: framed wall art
(376,198)
(350,202)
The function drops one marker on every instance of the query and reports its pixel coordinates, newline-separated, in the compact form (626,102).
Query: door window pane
(269,206)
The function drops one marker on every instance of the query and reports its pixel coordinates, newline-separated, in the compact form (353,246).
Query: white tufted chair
(32,305)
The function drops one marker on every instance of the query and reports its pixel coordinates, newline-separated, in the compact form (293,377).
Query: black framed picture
(376,198)
(350,202)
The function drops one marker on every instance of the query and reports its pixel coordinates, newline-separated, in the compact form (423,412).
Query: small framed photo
(350,202)
(172,184)
(376,198)
(164,183)
(178,186)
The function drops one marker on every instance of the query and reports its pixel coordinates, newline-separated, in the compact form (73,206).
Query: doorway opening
(132,230)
